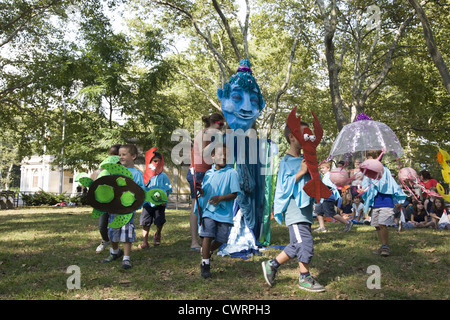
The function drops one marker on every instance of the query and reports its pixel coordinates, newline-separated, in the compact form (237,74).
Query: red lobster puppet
(314,188)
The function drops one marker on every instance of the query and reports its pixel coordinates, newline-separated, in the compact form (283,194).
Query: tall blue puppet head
(241,98)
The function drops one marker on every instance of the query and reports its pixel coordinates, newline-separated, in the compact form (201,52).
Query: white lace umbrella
(362,135)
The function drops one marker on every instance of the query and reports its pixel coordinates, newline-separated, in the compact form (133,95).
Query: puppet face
(308,135)
(241,108)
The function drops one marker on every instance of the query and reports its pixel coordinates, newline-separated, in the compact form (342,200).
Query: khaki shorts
(382,216)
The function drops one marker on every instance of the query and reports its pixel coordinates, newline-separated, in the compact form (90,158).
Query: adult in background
(426,180)
(202,162)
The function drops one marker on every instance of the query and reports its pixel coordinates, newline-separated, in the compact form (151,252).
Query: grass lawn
(37,245)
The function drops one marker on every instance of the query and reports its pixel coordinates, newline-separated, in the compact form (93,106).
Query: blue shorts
(213,229)
(198,178)
(325,208)
(300,242)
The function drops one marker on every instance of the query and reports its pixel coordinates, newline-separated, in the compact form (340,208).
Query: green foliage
(139,84)
(42,198)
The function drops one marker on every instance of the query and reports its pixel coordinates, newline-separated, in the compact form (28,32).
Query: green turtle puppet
(114,191)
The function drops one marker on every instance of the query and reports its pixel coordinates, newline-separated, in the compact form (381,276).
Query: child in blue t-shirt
(152,213)
(220,186)
(293,206)
(382,196)
(125,234)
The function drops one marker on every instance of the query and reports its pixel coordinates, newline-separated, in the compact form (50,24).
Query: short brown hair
(373,153)
(132,149)
(287,130)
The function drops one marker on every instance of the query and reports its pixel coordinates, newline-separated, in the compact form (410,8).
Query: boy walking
(152,213)
(220,187)
(126,234)
(293,206)
(382,196)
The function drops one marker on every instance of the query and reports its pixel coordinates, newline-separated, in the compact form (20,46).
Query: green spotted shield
(117,193)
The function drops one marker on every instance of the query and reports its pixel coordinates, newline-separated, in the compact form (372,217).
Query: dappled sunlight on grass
(37,245)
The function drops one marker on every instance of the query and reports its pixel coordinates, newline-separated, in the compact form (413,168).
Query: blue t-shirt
(291,203)
(218,183)
(137,177)
(382,200)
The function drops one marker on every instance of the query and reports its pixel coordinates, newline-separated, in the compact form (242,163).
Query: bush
(44,198)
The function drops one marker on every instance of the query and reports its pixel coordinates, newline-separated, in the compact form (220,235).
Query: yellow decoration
(442,158)
(441,191)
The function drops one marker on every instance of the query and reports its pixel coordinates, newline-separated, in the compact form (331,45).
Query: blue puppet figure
(241,98)
(242,103)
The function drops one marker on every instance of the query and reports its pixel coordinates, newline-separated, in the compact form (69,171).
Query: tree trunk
(432,48)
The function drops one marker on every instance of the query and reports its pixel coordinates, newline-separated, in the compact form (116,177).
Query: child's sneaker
(269,272)
(348,226)
(126,264)
(114,256)
(102,246)
(320,229)
(205,270)
(385,251)
(310,284)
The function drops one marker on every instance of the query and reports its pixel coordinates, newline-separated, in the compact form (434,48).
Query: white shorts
(382,216)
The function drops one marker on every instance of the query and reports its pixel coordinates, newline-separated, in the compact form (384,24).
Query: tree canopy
(79,76)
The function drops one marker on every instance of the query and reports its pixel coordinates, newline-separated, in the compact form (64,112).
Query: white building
(37,173)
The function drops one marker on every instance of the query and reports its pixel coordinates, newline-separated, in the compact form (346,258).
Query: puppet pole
(195,188)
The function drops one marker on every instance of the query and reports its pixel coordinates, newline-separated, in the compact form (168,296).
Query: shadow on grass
(37,248)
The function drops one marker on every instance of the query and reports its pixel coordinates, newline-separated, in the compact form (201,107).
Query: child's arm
(227,197)
(360,214)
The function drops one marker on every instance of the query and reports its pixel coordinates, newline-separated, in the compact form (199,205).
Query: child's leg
(126,249)
(340,218)
(146,221)
(304,267)
(194,227)
(160,219)
(383,234)
(206,247)
(145,232)
(282,258)
(321,221)
(114,245)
